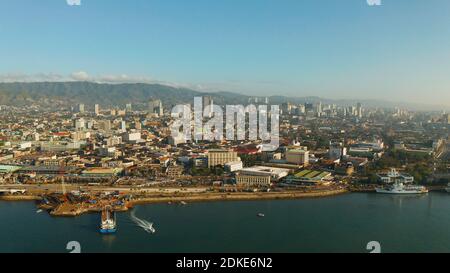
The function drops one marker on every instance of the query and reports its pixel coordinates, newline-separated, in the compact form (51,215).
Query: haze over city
(396,51)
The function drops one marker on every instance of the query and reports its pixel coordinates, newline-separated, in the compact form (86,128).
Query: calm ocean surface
(344,223)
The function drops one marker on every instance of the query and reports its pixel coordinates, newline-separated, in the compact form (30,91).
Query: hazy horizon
(342,101)
(334,49)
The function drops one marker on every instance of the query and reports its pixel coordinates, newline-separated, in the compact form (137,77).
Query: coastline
(20,198)
(211,197)
(69,211)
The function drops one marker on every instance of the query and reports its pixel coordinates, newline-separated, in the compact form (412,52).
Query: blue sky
(331,48)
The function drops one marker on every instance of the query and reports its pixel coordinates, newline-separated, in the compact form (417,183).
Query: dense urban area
(73,159)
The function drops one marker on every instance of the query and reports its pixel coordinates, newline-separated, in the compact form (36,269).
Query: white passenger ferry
(398,186)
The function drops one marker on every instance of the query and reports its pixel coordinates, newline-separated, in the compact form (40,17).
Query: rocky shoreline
(239,196)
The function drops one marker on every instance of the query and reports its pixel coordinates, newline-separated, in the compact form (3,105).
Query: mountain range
(73,92)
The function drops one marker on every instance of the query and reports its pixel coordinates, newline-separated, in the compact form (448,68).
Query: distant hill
(89,93)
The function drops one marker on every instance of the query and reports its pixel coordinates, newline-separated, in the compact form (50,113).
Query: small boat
(39,211)
(150,228)
(147,226)
(108,221)
(183,203)
(261,215)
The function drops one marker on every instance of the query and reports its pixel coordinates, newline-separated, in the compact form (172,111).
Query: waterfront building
(174,171)
(275,174)
(234,166)
(253,180)
(310,178)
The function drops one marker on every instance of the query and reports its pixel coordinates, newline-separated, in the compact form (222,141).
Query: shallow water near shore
(342,223)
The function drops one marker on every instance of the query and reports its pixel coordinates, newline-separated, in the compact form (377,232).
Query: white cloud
(105,78)
(85,76)
(80,76)
(22,77)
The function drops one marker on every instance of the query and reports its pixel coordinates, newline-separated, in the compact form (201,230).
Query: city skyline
(332,49)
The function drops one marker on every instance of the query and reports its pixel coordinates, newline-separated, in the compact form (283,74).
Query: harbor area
(73,205)
(79,200)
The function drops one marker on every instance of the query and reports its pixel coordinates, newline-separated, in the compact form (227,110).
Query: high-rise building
(90,124)
(123,126)
(319,108)
(359,110)
(301,109)
(97,109)
(309,107)
(81,108)
(80,124)
(128,107)
(352,111)
(337,150)
(137,124)
(155,107)
(104,125)
(286,108)
(446,118)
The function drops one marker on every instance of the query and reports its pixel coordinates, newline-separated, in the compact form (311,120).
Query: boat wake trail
(145,225)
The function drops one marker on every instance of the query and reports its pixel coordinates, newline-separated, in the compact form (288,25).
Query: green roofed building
(9,168)
(310,178)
